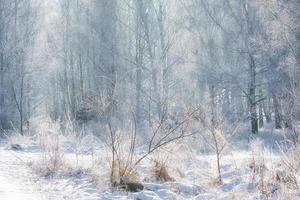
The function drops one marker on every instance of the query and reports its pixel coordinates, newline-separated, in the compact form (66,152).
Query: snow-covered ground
(15,179)
(19,182)
(247,173)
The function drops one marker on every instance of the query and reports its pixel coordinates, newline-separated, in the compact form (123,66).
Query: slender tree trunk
(266,110)
(154,70)
(261,115)
(138,96)
(65,92)
(21,101)
(164,51)
(81,78)
(252,97)
(277,112)
(2,115)
(288,111)
(219,165)
(73,88)
(139,62)
(260,110)
(213,132)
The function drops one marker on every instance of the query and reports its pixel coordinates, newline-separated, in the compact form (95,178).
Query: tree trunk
(252,97)
(164,51)
(73,92)
(21,101)
(2,115)
(266,110)
(138,97)
(214,134)
(81,79)
(260,111)
(277,112)
(288,111)
(139,62)
(151,52)
(261,116)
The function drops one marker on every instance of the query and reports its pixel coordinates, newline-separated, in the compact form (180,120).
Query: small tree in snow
(216,132)
(122,139)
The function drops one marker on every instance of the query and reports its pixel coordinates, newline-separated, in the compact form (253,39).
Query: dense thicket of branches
(17,31)
(101,60)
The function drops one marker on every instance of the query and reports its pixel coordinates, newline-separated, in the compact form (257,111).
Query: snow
(166,194)
(12,184)
(18,181)
(205,197)
(147,195)
(195,181)
(9,191)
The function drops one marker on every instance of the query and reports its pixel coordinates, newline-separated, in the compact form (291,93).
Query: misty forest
(149,99)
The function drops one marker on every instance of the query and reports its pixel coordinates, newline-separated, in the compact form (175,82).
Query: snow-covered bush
(51,140)
(263,170)
(216,132)
(289,174)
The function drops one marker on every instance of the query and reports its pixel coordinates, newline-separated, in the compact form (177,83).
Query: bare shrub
(16,140)
(216,133)
(159,171)
(124,158)
(261,173)
(286,178)
(53,158)
(121,171)
(290,161)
